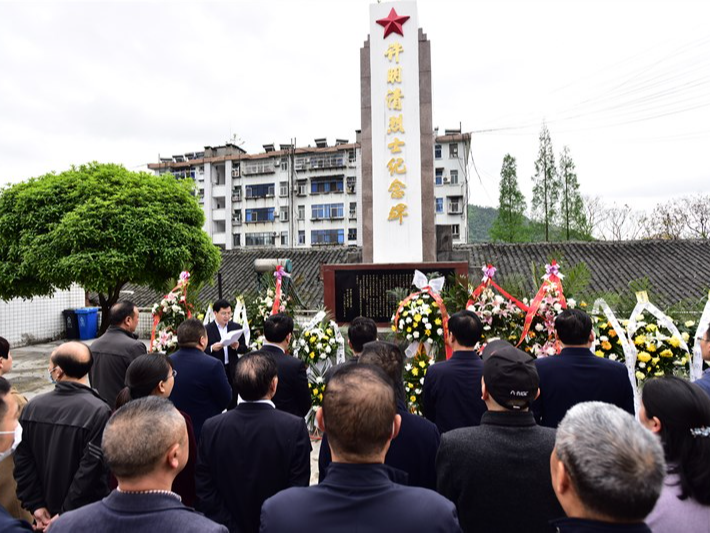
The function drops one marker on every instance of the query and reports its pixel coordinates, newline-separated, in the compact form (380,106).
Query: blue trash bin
(88,319)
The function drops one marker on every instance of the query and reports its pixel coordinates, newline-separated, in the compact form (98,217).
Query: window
(437,151)
(326,211)
(302,188)
(327,236)
(455,205)
(439,205)
(237,217)
(301,212)
(265,190)
(301,236)
(453,151)
(237,194)
(353,211)
(283,213)
(236,239)
(351,184)
(352,234)
(454,177)
(283,188)
(260,239)
(352,156)
(455,231)
(284,164)
(264,214)
(439,178)
(284,238)
(327,185)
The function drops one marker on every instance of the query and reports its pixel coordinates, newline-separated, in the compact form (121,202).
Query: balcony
(218,214)
(219,191)
(259,167)
(319,162)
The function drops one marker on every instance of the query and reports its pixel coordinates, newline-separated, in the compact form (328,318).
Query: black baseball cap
(510,375)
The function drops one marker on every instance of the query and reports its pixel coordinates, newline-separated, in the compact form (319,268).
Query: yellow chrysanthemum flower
(422,364)
(644,357)
(394,328)
(606,345)
(417,317)
(409,330)
(427,332)
(437,322)
(674,341)
(312,355)
(598,353)
(666,353)
(612,333)
(412,398)
(651,327)
(640,375)
(641,339)
(651,347)
(415,371)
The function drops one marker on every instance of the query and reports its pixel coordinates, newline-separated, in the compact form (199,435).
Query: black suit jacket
(213,337)
(292,394)
(577,375)
(413,451)
(247,455)
(358,497)
(452,392)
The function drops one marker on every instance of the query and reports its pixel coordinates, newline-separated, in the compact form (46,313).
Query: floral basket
(414,372)
(168,314)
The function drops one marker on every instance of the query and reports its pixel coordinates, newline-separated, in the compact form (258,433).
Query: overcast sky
(625,84)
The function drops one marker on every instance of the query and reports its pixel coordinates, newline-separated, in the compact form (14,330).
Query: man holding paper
(225,339)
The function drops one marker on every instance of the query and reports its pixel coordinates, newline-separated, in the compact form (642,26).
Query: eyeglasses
(174,373)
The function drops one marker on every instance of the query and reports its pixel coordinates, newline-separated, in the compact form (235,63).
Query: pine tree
(572,216)
(546,189)
(509,223)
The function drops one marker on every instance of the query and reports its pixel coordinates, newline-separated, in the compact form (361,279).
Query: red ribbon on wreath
(552,277)
(488,272)
(183,282)
(279,273)
(420,281)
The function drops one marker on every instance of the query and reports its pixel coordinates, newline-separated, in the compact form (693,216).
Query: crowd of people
(213,438)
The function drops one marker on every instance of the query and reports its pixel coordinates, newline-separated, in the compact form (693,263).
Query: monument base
(356,290)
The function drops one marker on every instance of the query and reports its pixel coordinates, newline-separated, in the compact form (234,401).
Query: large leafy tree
(509,225)
(546,187)
(101,226)
(572,214)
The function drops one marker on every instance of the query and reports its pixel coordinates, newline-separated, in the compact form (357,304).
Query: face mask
(50,376)
(15,444)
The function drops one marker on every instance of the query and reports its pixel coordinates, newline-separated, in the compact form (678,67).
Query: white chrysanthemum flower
(430,340)
(539,327)
(557,307)
(319,379)
(407,367)
(416,334)
(439,331)
(603,338)
(571,302)
(302,342)
(486,328)
(328,349)
(613,357)
(551,351)
(421,381)
(401,322)
(409,320)
(409,337)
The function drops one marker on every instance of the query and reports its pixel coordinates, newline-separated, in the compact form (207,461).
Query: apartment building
(310,196)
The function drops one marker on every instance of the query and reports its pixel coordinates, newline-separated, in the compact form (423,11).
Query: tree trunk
(107,301)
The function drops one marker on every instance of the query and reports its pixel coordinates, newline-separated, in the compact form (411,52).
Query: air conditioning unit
(446,180)
(276,215)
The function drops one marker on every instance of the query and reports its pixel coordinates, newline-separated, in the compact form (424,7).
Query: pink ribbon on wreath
(279,274)
(553,277)
(488,272)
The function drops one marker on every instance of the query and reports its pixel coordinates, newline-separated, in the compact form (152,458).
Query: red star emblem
(393,23)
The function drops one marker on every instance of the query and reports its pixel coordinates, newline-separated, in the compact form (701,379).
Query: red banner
(551,278)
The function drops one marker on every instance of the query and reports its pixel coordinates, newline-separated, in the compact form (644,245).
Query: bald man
(58,464)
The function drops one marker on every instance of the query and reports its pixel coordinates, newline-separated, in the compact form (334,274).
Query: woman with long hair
(679,413)
(153,375)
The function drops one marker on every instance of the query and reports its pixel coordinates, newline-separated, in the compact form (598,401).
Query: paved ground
(29,375)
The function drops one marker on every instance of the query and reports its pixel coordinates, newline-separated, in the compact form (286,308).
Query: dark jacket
(577,375)
(59,464)
(213,337)
(247,455)
(506,459)
(704,382)
(451,396)
(333,369)
(579,525)
(358,498)
(292,394)
(413,451)
(135,513)
(8,524)
(201,389)
(113,352)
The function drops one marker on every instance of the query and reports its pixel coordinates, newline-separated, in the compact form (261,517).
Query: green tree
(509,224)
(100,226)
(572,215)
(546,188)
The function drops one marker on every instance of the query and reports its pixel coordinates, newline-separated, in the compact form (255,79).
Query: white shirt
(267,343)
(222,334)
(268,402)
